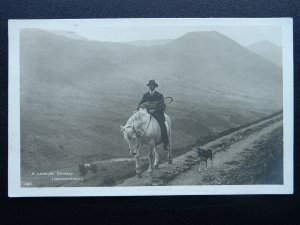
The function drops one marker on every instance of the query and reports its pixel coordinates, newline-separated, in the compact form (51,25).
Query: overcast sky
(243,31)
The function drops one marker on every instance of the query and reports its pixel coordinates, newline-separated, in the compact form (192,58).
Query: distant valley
(75,93)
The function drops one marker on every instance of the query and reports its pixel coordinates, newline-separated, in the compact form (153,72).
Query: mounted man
(155,104)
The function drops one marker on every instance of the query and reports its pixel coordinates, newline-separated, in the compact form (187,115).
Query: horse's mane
(137,115)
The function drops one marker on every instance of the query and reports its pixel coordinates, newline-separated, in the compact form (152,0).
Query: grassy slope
(75,94)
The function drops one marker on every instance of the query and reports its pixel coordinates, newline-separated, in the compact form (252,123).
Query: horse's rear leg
(170,157)
(156,154)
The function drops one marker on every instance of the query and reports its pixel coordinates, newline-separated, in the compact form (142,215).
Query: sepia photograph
(123,107)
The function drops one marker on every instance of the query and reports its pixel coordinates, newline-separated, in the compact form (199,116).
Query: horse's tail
(168,120)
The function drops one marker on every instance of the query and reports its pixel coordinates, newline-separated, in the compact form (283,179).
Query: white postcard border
(14,173)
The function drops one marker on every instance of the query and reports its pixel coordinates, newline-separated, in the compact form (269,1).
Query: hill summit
(75,93)
(268,51)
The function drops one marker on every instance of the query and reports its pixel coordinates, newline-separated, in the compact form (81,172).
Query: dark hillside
(76,93)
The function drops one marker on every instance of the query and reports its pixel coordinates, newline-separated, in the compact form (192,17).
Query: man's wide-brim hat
(152,82)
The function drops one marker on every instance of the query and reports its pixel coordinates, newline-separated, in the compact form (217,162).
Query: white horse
(143,129)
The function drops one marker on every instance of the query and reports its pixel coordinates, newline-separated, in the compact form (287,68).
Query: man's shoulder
(158,94)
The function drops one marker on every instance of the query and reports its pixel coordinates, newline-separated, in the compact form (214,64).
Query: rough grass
(73,103)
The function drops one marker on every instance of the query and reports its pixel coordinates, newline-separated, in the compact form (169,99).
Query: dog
(204,155)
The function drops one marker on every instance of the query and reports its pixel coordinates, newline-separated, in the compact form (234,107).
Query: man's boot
(160,117)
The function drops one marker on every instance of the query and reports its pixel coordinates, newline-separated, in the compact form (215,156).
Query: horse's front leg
(150,169)
(199,169)
(156,162)
(138,169)
(151,151)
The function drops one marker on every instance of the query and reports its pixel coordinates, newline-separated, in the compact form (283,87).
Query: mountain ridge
(85,89)
(268,51)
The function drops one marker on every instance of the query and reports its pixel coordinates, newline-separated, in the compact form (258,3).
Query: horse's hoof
(156,166)
(139,175)
(138,171)
(170,161)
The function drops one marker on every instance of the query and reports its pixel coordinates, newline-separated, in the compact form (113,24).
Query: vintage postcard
(131,107)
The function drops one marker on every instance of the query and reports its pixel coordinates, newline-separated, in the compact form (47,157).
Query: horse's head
(131,130)
(131,137)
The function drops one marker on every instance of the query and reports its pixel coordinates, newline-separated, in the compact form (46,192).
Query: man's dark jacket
(159,113)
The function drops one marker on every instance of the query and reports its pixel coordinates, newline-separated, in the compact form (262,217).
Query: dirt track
(252,155)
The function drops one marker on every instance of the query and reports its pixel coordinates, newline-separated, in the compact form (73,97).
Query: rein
(147,127)
(144,131)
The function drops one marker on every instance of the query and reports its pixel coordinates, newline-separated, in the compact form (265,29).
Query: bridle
(137,133)
(140,137)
